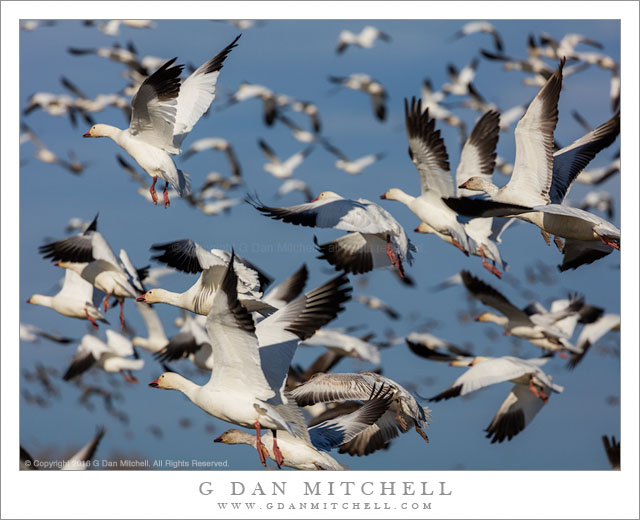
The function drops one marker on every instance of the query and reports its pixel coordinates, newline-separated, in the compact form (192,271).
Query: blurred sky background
(295,58)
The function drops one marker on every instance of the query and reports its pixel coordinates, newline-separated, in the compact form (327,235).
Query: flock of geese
(246,333)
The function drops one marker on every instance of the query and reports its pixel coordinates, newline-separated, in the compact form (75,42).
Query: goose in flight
(250,362)
(403,414)
(325,436)
(164,110)
(75,299)
(368,85)
(542,178)
(190,257)
(429,155)
(111,356)
(480,27)
(89,255)
(531,323)
(527,397)
(363,39)
(375,238)
(282,169)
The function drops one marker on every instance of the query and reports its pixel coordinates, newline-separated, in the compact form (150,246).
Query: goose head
(98,130)
(168,381)
(327,195)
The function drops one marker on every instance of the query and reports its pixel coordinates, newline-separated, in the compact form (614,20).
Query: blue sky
(295,58)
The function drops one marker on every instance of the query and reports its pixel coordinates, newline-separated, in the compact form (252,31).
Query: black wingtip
(93,226)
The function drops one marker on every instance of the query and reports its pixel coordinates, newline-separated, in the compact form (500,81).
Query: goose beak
(463,185)
(29,300)
(87,134)
(417,229)
(218,439)
(383,196)
(57,264)
(154,383)
(141,299)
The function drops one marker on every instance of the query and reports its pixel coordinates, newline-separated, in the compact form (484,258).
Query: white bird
(112,27)
(433,348)
(190,257)
(403,414)
(356,166)
(290,185)
(32,25)
(364,39)
(216,143)
(344,344)
(164,112)
(32,333)
(599,200)
(368,85)
(75,299)
(218,206)
(156,338)
(541,178)
(299,133)
(48,157)
(529,323)
(460,81)
(191,342)
(591,333)
(250,362)
(282,169)
(429,155)
(375,238)
(529,394)
(110,356)
(323,437)
(89,255)
(375,303)
(80,460)
(482,27)
(431,101)
(252,90)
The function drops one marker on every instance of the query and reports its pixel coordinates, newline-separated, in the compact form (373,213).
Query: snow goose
(431,100)
(531,390)
(252,90)
(89,255)
(290,185)
(363,39)
(115,53)
(429,155)
(75,299)
(430,347)
(156,338)
(190,257)
(250,362)
(356,166)
(460,80)
(32,333)
(591,333)
(112,27)
(478,156)
(46,156)
(368,85)
(312,454)
(480,27)
(192,341)
(32,25)
(110,356)
(375,240)
(344,344)
(282,169)
(375,303)
(541,178)
(403,414)
(216,143)
(164,112)
(598,200)
(599,175)
(80,460)
(539,328)
(299,133)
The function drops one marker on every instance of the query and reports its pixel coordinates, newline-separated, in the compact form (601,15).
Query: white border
(475,494)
